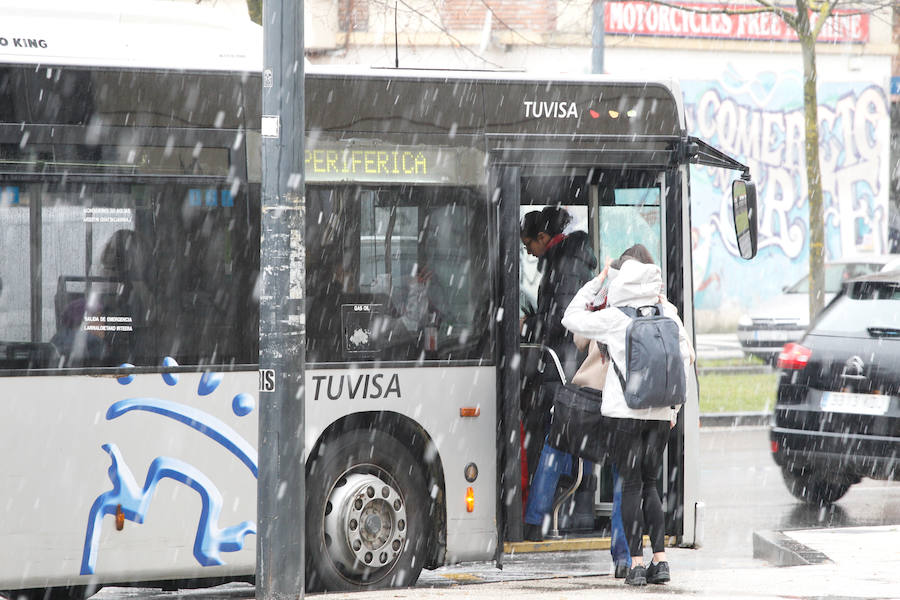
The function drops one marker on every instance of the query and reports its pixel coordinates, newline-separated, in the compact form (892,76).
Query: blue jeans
(618,545)
(552,465)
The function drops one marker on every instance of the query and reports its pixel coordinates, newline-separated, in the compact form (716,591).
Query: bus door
(618,205)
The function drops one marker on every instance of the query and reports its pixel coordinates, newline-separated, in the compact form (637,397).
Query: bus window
(396,274)
(628,216)
(19,348)
(129,273)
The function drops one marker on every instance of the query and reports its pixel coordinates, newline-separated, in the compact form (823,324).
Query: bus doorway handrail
(553,355)
(570,491)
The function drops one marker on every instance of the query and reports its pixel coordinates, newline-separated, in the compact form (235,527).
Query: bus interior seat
(28,355)
(65,294)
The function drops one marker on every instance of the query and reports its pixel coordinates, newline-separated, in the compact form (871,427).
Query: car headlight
(745,321)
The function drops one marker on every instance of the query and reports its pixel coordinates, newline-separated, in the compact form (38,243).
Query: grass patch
(737,392)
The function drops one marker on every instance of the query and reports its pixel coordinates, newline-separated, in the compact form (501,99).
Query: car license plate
(860,404)
(771,336)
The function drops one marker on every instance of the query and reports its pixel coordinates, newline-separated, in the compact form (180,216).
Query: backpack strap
(632,313)
(629,311)
(618,373)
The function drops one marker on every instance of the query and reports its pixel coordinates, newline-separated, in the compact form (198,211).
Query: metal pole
(598,30)
(281,493)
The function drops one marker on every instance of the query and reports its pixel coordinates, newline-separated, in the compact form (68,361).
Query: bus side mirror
(743,203)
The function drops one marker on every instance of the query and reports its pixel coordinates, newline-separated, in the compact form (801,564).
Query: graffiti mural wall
(758,118)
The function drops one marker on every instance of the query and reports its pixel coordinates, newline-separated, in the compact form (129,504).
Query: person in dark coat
(566,263)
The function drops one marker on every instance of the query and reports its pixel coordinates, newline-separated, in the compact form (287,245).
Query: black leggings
(637,451)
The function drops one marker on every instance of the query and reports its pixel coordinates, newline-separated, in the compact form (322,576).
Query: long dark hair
(552,220)
(639,253)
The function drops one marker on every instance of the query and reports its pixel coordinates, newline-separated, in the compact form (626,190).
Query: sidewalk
(857,562)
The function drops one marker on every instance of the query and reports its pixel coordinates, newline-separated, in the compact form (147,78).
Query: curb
(784,551)
(735,419)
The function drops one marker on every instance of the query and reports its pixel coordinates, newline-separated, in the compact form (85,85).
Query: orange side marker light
(470,500)
(120,518)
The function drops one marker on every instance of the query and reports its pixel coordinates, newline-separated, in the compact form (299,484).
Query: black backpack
(652,360)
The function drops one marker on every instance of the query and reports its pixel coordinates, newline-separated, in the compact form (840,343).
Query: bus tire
(74,592)
(366,514)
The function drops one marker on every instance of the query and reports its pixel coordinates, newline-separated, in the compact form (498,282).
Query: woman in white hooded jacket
(638,436)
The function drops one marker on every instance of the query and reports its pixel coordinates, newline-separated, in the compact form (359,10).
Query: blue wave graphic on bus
(203,422)
(133,501)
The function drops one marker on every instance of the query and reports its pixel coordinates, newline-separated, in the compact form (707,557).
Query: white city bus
(130,234)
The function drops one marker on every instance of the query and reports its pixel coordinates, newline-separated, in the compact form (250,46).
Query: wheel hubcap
(366,525)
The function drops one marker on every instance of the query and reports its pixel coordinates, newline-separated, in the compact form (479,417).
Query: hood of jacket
(636,284)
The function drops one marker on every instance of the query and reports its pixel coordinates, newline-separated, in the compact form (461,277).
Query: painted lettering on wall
(760,121)
(773,144)
(362,386)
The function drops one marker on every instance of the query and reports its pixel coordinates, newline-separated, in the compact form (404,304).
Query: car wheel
(813,488)
(366,517)
(770,359)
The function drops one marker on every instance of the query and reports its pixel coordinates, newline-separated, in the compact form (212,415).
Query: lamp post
(281,489)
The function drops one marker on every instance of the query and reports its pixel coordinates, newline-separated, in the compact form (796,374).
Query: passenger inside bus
(77,345)
(346,324)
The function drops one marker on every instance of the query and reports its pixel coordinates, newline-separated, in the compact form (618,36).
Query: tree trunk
(813,171)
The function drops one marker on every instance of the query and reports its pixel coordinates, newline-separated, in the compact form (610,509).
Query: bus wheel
(74,592)
(366,515)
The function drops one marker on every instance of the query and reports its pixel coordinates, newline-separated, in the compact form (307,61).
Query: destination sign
(388,163)
(370,162)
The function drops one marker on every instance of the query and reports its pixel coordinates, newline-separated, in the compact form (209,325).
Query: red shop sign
(646,18)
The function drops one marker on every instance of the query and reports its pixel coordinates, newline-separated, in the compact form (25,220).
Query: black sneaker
(621,570)
(637,575)
(658,572)
(533,533)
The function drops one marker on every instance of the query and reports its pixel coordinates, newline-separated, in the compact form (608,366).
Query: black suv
(837,415)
